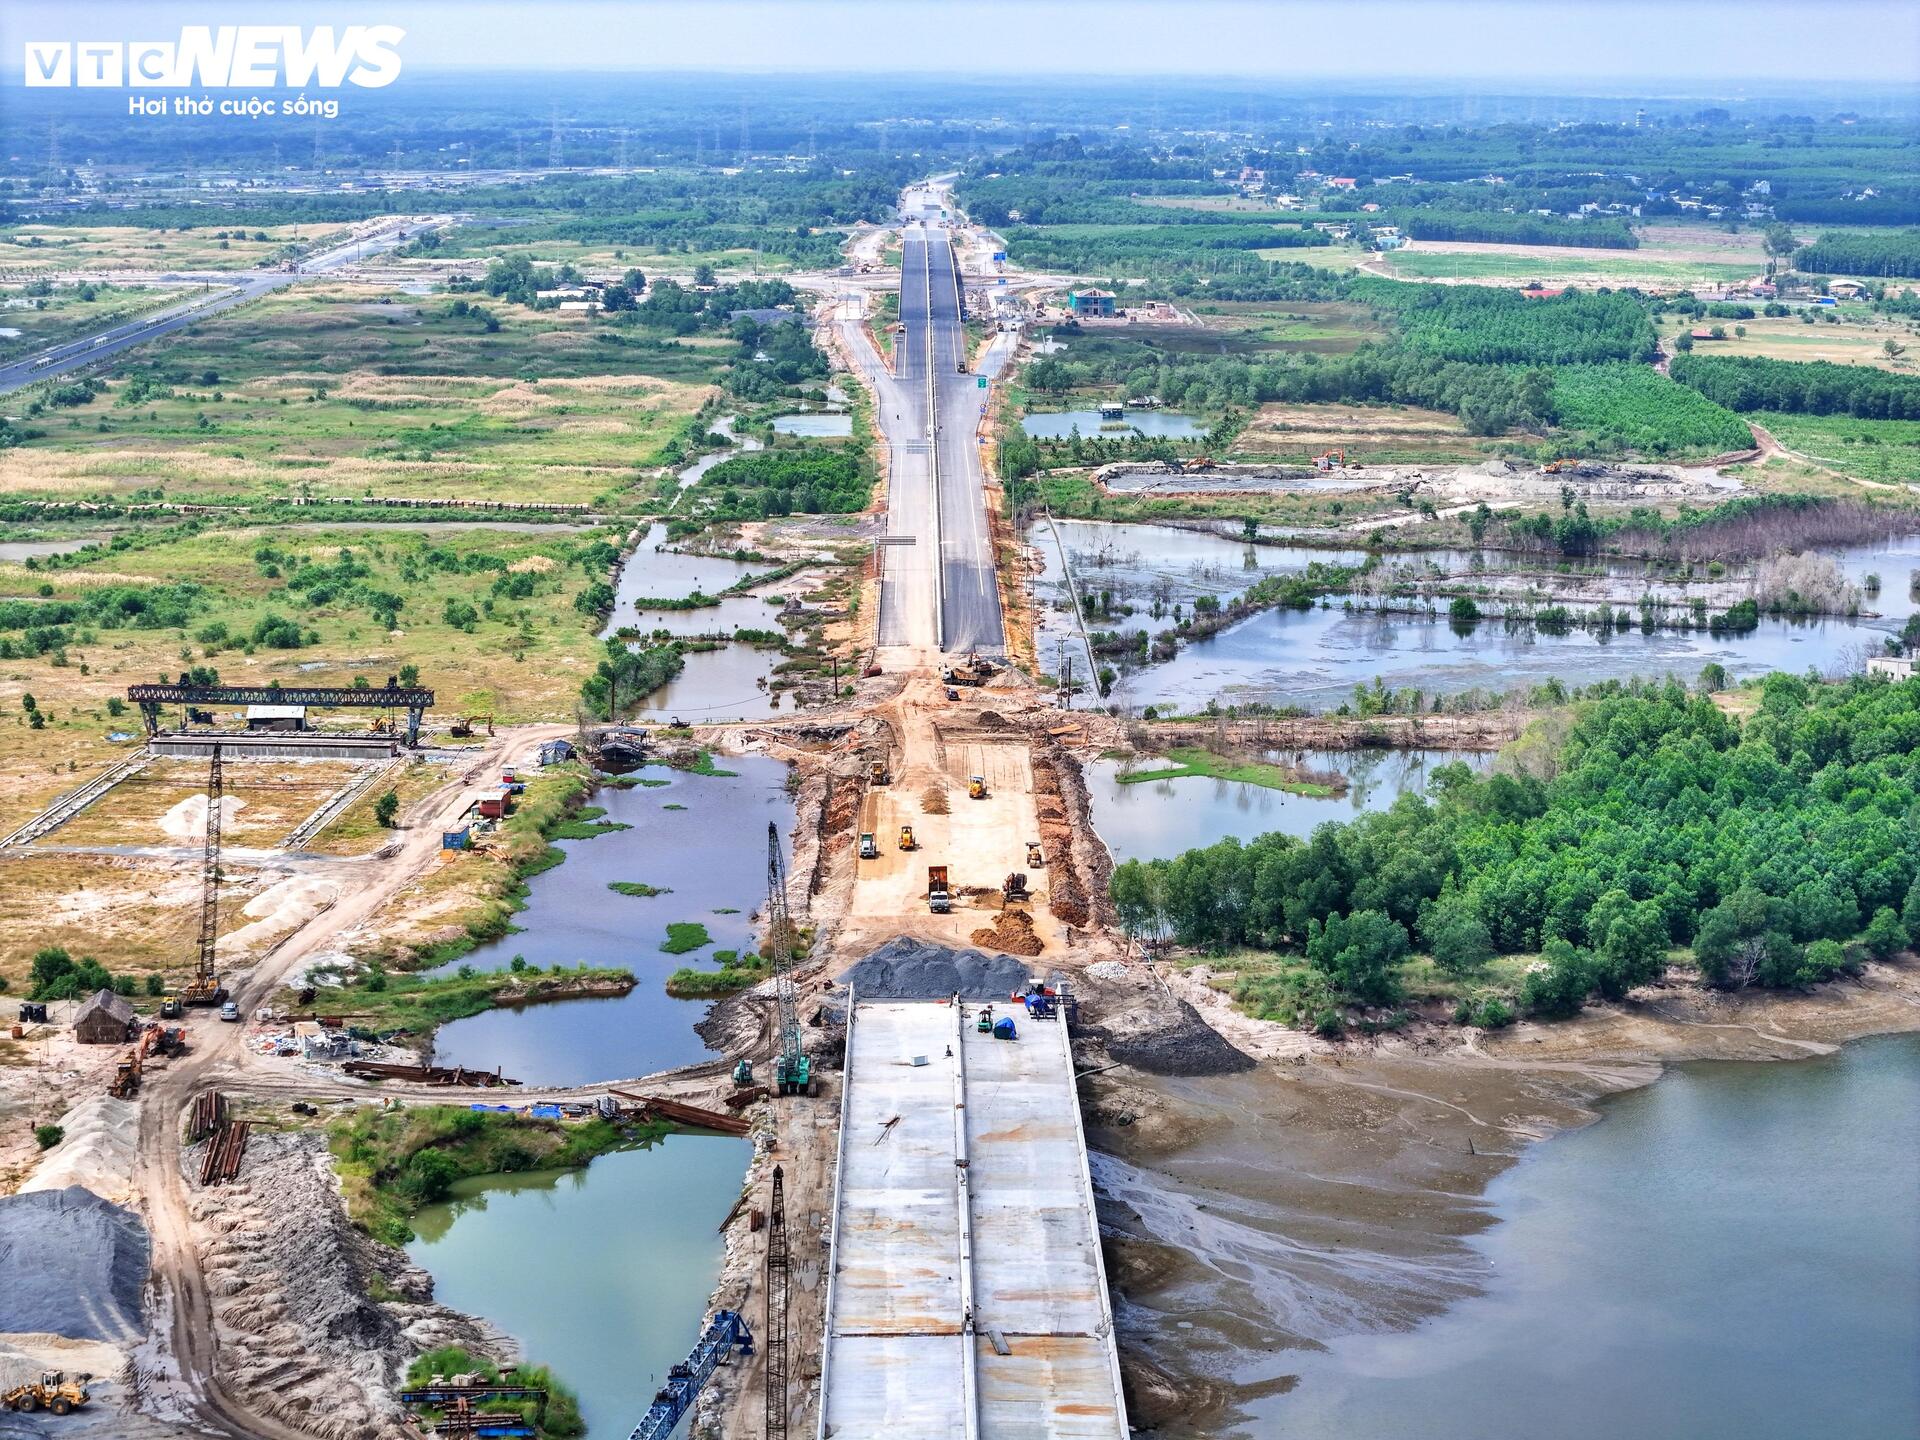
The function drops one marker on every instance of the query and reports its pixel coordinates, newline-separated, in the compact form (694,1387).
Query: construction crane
(779,1292)
(792,1070)
(205,987)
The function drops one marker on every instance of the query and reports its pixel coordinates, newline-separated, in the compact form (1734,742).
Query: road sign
(999,254)
(983,382)
(1001,281)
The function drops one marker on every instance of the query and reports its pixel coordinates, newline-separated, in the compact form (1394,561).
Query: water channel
(704,838)
(601,1273)
(1733,1251)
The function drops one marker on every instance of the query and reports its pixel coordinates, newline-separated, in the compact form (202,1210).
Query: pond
(710,854)
(602,1274)
(819,426)
(1315,658)
(1157,819)
(1156,424)
(1733,1250)
(725,684)
(653,573)
(18,550)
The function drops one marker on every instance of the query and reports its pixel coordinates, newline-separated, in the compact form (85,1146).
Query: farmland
(343,390)
(29,250)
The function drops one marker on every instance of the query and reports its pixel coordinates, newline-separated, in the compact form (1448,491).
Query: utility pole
(774,1333)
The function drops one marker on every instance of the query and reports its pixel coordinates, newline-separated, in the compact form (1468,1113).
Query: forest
(1857,252)
(1635,408)
(1800,387)
(1778,850)
(804,479)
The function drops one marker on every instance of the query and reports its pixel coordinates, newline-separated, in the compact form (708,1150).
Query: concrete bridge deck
(963,1227)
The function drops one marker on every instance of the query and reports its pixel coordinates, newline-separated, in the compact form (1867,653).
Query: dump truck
(939,898)
(976,787)
(878,775)
(52,1391)
(869,827)
(906,838)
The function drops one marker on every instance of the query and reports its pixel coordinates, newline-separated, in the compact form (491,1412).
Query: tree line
(1862,252)
(1800,387)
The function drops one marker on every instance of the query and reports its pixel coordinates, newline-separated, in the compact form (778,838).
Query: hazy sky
(1519,41)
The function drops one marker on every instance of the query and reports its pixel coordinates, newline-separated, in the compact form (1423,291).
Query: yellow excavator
(52,1391)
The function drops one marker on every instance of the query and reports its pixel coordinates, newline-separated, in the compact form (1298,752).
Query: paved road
(936,337)
(231,289)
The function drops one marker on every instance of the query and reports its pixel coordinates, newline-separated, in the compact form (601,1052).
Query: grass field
(479,242)
(271,797)
(1858,337)
(346,391)
(45,320)
(1323,327)
(42,249)
(1556,265)
(1883,450)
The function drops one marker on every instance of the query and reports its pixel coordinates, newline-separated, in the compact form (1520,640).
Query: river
(601,1273)
(1732,1251)
(702,837)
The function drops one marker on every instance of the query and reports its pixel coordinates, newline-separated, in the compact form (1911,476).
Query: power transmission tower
(620,148)
(53,152)
(395,156)
(553,142)
(775,1332)
(519,152)
(316,144)
(746,146)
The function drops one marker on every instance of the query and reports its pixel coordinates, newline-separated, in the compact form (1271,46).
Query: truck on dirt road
(939,898)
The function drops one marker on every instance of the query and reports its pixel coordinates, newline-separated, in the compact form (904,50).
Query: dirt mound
(908,969)
(76,1265)
(1011,932)
(933,800)
(1175,1042)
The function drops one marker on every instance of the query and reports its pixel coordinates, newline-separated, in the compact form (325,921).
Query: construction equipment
(205,987)
(976,787)
(1035,860)
(869,826)
(725,1332)
(878,774)
(52,1391)
(742,1072)
(463,727)
(868,849)
(779,1294)
(906,838)
(985,1023)
(792,1069)
(939,898)
(1330,460)
(126,1076)
(1014,887)
(169,1007)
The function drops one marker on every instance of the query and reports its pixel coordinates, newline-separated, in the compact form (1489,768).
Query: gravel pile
(1180,1044)
(75,1265)
(908,969)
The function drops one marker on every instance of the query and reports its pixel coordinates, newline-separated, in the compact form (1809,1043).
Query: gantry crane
(792,1070)
(205,987)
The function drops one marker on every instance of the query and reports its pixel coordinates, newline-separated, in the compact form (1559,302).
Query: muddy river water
(1732,1251)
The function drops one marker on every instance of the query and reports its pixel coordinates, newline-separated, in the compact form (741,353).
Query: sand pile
(101,1144)
(908,969)
(188,819)
(933,800)
(1011,932)
(278,909)
(75,1265)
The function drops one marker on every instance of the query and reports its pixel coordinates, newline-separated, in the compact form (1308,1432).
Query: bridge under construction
(967,1297)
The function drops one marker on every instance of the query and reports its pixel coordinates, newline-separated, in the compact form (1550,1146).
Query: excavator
(1330,460)
(463,727)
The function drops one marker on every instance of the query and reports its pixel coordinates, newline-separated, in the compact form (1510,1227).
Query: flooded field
(572,917)
(1315,658)
(1157,819)
(654,573)
(1060,424)
(602,1273)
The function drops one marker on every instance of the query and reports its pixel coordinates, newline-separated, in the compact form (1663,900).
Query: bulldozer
(976,787)
(906,838)
(1034,858)
(52,1391)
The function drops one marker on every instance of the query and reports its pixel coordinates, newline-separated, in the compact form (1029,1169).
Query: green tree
(1455,936)
(48,1136)
(1885,935)
(386,808)
(1359,952)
